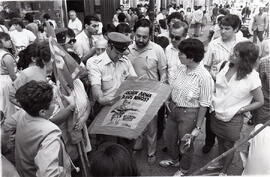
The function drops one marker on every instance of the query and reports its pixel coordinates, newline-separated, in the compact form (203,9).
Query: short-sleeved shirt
(148,61)
(234,94)
(108,74)
(82,45)
(22,39)
(192,89)
(218,51)
(75,25)
(173,60)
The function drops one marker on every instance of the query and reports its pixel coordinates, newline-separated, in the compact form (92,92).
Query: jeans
(180,121)
(258,34)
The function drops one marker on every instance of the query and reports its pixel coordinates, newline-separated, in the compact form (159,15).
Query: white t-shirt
(234,94)
(259,154)
(22,39)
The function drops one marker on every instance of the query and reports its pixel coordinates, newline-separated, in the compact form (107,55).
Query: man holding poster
(149,62)
(108,70)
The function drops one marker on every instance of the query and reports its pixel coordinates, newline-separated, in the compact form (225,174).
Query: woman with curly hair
(237,84)
(7,74)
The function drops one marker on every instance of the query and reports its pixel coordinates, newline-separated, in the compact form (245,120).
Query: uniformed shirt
(149,61)
(103,71)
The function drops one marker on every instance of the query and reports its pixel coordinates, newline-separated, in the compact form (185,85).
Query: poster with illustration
(130,109)
(139,103)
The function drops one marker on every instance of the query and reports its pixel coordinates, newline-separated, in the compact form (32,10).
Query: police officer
(108,70)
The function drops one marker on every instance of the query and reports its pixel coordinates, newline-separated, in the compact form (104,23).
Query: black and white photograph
(94,88)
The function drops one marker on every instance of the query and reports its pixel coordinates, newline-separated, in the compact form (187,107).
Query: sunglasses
(71,41)
(175,37)
(121,49)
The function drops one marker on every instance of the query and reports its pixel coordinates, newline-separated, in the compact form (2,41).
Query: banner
(139,102)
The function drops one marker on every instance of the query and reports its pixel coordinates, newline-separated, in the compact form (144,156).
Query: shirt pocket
(151,63)
(107,82)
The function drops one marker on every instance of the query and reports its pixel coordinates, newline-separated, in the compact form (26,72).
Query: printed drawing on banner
(130,109)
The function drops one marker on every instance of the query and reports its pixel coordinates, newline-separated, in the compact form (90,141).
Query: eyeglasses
(175,37)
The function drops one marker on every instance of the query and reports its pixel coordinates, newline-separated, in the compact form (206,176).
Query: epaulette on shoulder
(97,60)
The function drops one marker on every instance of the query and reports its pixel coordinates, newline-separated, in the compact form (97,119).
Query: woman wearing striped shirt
(192,87)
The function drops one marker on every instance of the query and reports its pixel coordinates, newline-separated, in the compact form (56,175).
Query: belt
(173,106)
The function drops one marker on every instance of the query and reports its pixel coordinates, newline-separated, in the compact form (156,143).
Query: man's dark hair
(29,17)
(108,28)
(123,28)
(224,11)
(231,20)
(89,18)
(162,41)
(192,48)
(17,21)
(34,96)
(121,17)
(46,16)
(143,23)
(113,160)
(176,15)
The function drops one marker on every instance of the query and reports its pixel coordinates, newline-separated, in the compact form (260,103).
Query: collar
(195,71)
(222,44)
(107,60)
(173,48)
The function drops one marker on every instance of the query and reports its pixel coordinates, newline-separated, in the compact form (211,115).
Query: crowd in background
(217,82)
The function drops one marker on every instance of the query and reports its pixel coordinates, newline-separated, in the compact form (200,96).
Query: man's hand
(79,124)
(195,132)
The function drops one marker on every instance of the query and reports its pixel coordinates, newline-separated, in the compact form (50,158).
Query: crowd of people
(217,85)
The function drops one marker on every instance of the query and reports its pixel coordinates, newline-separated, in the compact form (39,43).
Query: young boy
(39,150)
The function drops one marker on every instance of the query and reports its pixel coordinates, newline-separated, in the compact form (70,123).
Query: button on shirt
(173,60)
(148,61)
(234,94)
(82,45)
(218,51)
(192,89)
(103,71)
(75,25)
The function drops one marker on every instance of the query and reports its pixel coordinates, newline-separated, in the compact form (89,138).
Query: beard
(141,44)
